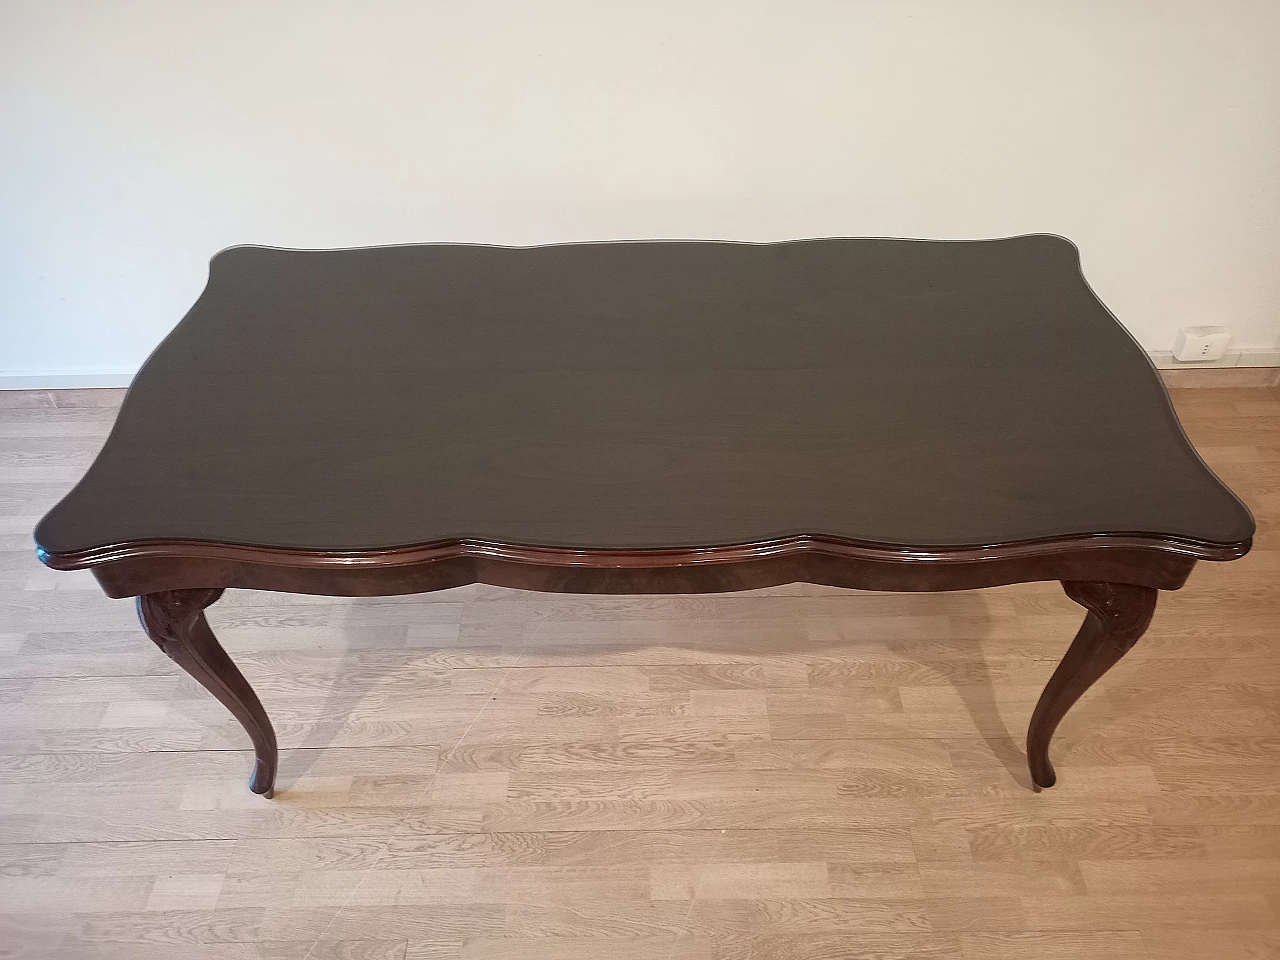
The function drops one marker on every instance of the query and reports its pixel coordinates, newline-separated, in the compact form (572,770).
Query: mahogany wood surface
(645,417)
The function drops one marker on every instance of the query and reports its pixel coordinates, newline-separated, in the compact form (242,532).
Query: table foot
(175,621)
(1118,615)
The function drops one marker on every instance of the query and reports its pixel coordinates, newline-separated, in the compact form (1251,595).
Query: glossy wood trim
(175,621)
(132,569)
(1119,614)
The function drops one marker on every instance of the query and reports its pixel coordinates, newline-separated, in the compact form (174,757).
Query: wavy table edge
(131,568)
(139,567)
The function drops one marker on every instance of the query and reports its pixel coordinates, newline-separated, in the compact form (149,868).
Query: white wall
(138,138)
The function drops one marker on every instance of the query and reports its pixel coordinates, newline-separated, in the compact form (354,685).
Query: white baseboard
(65,381)
(1236,358)
(122,378)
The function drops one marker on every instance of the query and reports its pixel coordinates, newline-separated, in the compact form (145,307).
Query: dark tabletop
(631,395)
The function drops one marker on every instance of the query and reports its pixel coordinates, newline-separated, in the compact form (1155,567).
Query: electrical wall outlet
(1200,343)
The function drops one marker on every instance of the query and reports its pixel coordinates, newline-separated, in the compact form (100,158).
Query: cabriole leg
(1118,616)
(175,621)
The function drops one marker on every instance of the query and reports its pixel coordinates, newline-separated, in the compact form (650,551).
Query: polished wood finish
(911,396)
(1119,614)
(179,566)
(635,418)
(484,773)
(175,621)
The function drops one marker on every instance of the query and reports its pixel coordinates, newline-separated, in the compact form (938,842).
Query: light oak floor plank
(799,772)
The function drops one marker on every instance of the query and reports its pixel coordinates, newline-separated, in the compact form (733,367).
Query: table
(646,417)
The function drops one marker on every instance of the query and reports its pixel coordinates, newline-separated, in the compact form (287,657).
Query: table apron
(1144,566)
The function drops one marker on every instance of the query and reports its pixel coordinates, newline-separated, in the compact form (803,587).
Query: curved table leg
(175,621)
(1118,616)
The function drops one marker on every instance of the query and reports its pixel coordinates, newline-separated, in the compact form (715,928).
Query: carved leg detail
(175,621)
(1118,616)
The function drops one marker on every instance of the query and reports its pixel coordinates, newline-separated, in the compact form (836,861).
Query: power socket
(1201,343)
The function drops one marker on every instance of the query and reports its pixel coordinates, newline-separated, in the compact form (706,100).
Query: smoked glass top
(642,395)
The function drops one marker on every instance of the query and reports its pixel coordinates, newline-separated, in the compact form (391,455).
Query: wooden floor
(793,773)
